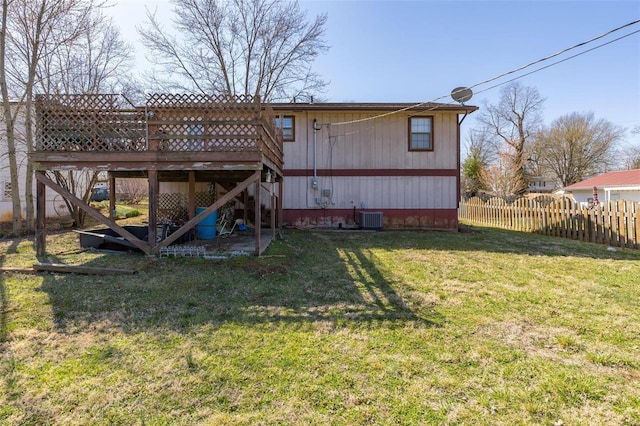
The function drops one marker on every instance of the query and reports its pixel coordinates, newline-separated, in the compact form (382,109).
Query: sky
(418,51)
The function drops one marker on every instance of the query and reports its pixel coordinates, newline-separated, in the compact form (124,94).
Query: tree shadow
(338,284)
(4,297)
(312,279)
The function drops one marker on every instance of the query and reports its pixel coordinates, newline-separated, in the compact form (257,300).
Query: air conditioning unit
(371,220)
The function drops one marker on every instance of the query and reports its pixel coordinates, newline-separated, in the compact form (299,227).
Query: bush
(132,213)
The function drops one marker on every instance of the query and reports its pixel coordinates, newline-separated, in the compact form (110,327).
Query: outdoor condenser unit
(370,220)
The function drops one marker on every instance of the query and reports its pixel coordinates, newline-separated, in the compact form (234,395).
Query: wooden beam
(215,206)
(137,158)
(40,177)
(224,176)
(41,217)
(14,270)
(88,270)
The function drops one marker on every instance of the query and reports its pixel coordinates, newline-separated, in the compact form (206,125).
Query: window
(195,144)
(6,193)
(287,125)
(420,133)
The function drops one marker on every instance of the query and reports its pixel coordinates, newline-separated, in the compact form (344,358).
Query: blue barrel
(206,229)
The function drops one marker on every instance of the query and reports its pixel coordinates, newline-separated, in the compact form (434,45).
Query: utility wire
(584,43)
(558,62)
(510,72)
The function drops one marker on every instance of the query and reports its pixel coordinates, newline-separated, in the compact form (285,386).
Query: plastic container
(206,229)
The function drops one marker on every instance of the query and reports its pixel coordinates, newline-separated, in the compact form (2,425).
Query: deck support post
(245,203)
(273,209)
(41,217)
(257,213)
(280,210)
(112,198)
(154,188)
(192,194)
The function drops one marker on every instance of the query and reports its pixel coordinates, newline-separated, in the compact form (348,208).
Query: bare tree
(502,179)
(133,190)
(577,146)
(631,158)
(480,155)
(9,115)
(98,60)
(237,47)
(631,154)
(54,46)
(512,122)
(31,30)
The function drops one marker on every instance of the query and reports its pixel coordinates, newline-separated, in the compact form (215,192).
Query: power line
(558,62)
(584,43)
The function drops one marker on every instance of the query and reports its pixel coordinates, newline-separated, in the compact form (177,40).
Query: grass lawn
(484,327)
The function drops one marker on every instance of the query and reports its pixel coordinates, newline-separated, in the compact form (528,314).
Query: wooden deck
(170,132)
(171,138)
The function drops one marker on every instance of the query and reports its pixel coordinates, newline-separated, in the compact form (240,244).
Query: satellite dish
(461,94)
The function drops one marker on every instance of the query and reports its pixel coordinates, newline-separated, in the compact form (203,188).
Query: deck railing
(167,122)
(615,223)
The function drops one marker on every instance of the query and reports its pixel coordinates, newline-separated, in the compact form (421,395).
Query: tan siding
(373,144)
(380,192)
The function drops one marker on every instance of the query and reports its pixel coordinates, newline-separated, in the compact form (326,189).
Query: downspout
(314,182)
(465,116)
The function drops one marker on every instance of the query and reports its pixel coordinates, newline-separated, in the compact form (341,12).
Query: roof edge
(372,106)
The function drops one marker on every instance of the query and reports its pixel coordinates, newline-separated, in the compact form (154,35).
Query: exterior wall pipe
(315,165)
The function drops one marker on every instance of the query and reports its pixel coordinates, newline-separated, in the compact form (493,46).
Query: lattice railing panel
(168,122)
(205,135)
(197,122)
(170,100)
(88,123)
(174,207)
(271,136)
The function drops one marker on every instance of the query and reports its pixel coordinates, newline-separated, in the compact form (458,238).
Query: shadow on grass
(300,282)
(333,278)
(499,240)
(4,298)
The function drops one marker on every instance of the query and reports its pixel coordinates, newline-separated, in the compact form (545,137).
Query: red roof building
(611,186)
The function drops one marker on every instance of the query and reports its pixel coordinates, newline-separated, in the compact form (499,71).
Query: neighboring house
(397,159)
(540,184)
(611,186)
(6,191)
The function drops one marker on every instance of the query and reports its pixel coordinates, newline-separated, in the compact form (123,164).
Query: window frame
(411,133)
(293,127)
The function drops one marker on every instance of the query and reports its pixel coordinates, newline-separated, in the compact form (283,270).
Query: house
(326,164)
(540,185)
(611,186)
(343,160)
